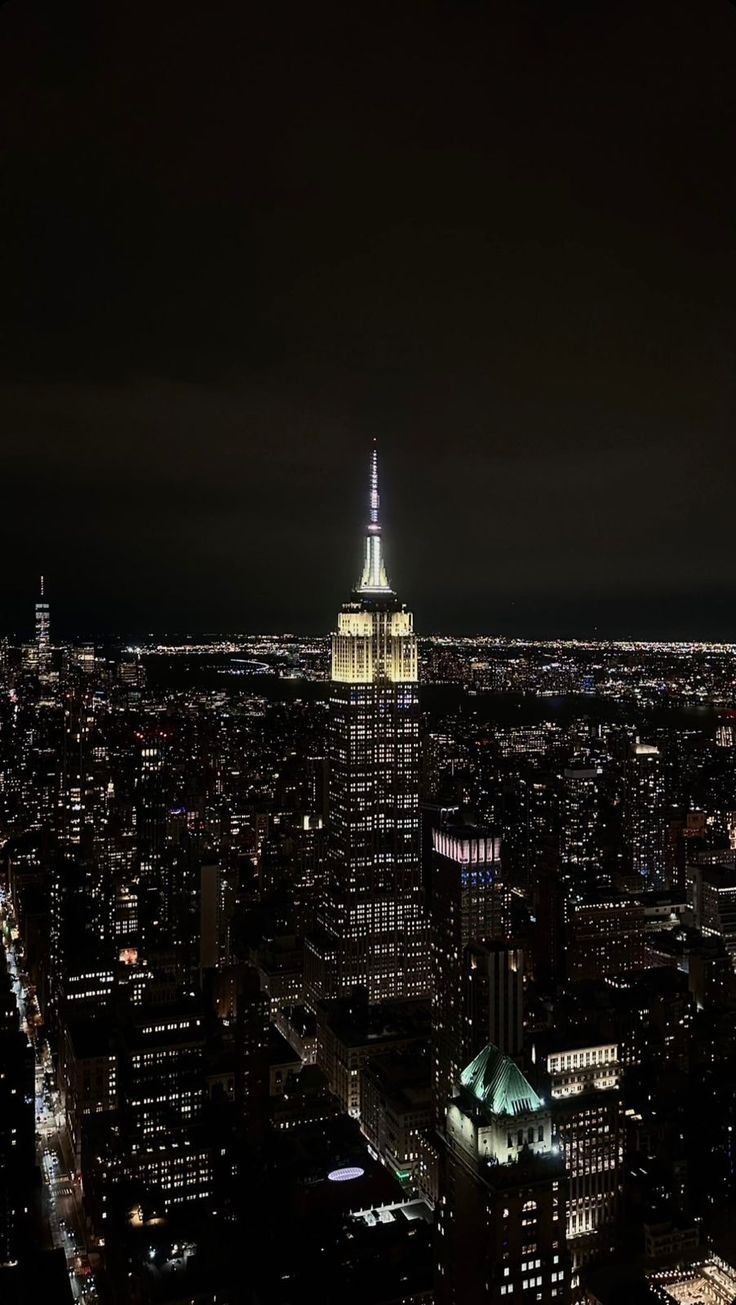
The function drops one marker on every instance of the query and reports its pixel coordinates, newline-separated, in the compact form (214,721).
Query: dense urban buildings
(386,967)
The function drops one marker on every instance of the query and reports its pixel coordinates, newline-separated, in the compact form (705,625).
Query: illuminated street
(62,1204)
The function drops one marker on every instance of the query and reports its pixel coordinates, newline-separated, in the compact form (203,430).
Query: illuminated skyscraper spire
(43,650)
(370,931)
(374,578)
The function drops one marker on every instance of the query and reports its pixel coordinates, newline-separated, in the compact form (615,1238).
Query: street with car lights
(61,1207)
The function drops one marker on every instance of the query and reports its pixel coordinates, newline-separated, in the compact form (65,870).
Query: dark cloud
(236,241)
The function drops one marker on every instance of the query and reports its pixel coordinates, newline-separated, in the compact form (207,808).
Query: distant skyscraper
(372,930)
(644,809)
(43,631)
(530,822)
(581,829)
(726,732)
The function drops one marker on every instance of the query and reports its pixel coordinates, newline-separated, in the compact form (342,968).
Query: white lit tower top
(375,637)
(374,579)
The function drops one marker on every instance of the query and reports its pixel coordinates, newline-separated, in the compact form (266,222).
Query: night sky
(239,240)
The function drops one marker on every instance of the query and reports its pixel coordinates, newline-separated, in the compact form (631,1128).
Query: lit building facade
(584,1083)
(717,902)
(500,1218)
(163,1069)
(644,811)
(606,936)
(43,633)
(371,928)
(580,843)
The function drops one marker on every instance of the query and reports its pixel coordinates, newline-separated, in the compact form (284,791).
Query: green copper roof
(499,1084)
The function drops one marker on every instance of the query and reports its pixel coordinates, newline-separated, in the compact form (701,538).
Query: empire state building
(372,927)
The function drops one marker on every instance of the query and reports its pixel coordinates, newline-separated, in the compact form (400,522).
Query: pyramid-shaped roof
(498,1082)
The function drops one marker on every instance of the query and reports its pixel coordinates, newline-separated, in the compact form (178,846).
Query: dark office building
(494,997)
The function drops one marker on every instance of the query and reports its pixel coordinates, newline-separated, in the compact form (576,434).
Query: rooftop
(499,1084)
(552,1042)
(89,1038)
(280,1052)
(357,1023)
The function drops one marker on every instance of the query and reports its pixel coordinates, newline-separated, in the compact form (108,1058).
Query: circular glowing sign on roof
(345,1175)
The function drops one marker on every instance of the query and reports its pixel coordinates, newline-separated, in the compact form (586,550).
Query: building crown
(496,1081)
(374,579)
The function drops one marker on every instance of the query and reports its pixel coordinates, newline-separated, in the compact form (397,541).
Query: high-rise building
(371,928)
(726,732)
(469,904)
(605,936)
(43,632)
(583,1076)
(494,997)
(150,812)
(162,1068)
(644,813)
(153,1145)
(717,902)
(500,1223)
(548,900)
(251,1036)
(581,829)
(530,822)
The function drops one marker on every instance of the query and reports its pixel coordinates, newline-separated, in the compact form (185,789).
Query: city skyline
(367,653)
(522,286)
(114,633)
(427,972)
(533,635)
